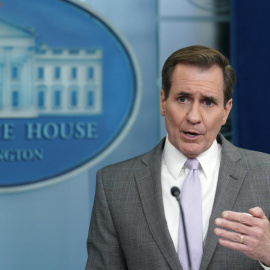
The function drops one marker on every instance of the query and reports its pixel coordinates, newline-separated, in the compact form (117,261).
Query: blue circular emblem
(68,89)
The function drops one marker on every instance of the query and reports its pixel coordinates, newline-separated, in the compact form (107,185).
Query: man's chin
(191,156)
(191,152)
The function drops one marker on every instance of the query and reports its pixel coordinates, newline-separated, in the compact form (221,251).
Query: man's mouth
(191,134)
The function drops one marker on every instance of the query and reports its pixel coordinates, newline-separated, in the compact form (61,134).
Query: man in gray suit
(135,219)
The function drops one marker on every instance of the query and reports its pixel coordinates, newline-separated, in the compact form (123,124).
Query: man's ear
(162,102)
(227,110)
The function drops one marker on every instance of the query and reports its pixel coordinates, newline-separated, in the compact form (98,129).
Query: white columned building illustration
(46,81)
(16,71)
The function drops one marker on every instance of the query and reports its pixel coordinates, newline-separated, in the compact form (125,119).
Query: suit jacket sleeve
(103,245)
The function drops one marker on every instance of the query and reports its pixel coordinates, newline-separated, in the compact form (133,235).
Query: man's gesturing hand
(249,234)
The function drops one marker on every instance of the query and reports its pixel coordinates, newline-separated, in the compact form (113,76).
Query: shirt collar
(175,160)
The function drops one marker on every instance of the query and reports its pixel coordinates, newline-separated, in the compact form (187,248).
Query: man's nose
(194,113)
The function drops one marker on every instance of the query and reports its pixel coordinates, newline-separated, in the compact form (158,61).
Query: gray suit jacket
(128,229)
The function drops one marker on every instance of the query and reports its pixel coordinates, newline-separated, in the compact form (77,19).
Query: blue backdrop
(250,41)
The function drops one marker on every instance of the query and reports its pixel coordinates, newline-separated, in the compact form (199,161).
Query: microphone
(175,191)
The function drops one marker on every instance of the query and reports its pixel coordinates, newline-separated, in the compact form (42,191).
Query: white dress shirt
(173,173)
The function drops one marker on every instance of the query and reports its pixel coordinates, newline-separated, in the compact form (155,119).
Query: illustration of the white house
(46,81)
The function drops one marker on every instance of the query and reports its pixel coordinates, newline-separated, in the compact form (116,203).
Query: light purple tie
(191,200)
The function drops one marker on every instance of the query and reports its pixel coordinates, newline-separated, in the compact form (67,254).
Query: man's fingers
(257,212)
(232,236)
(233,226)
(251,219)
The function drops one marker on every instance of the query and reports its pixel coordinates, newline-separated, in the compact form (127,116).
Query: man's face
(194,110)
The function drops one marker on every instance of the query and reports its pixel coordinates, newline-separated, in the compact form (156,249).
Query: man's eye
(182,99)
(208,102)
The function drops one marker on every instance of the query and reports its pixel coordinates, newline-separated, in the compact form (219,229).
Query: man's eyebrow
(211,98)
(182,93)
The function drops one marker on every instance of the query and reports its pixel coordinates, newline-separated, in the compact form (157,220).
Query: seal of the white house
(68,90)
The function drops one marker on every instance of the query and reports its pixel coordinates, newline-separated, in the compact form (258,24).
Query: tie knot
(192,164)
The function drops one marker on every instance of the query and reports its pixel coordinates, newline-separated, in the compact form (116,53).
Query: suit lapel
(231,177)
(149,186)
